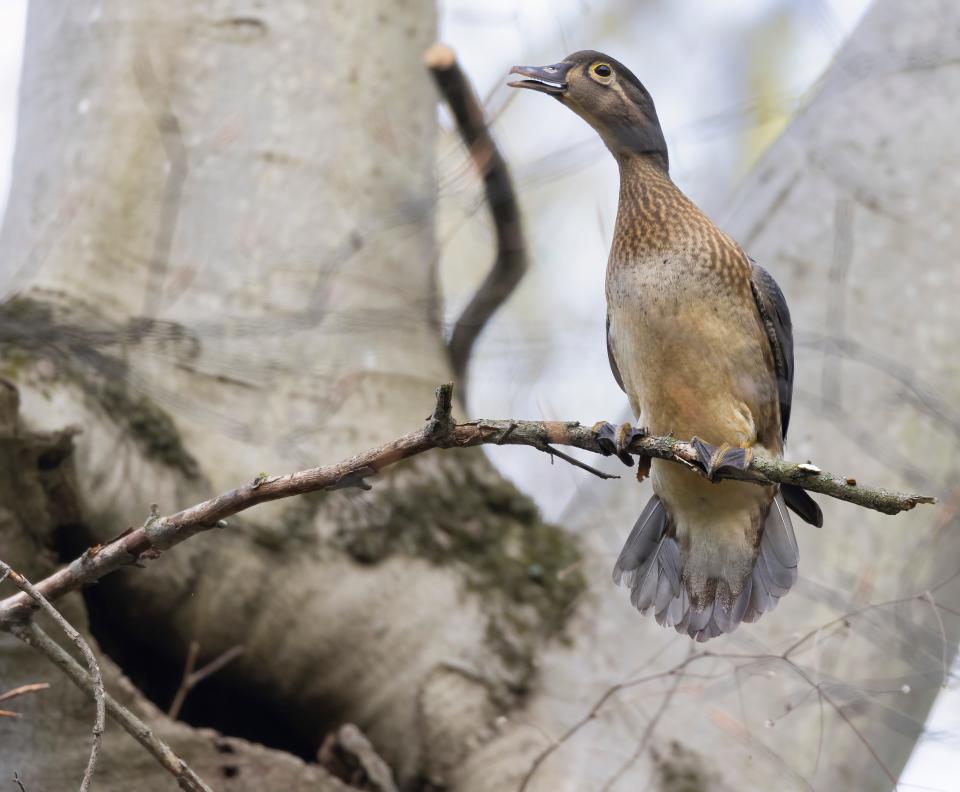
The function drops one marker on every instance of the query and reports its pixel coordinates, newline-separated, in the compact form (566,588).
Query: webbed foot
(616,440)
(714,459)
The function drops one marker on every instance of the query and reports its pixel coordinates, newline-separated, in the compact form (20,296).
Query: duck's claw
(615,440)
(714,459)
(606,437)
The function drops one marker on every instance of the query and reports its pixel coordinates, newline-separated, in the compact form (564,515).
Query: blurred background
(726,77)
(740,90)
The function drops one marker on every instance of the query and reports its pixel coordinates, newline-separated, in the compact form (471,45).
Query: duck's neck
(630,138)
(650,207)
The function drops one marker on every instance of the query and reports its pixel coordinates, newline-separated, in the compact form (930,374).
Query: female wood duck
(699,338)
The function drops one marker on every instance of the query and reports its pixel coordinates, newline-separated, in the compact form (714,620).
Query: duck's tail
(652,565)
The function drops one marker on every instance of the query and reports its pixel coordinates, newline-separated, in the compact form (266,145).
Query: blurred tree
(220,241)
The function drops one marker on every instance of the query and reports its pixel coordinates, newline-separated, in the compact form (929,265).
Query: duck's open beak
(546,79)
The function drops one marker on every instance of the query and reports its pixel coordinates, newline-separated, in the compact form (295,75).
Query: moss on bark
(89,353)
(460,511)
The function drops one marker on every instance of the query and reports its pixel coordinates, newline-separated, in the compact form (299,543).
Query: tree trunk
(221,238)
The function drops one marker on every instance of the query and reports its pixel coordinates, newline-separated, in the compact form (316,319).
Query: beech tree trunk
(220,242)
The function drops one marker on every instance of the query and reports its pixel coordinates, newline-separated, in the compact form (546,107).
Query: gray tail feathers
(651,566)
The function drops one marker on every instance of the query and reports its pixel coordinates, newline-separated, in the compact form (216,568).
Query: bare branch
(96,677)
(192,677)
(216,664)
(160,533)
(647,733)
(33,636)
(553,452)
(598,705)
(678,670)
(762,470)
(928,596)
(19,691)
(180,696)
(511,261)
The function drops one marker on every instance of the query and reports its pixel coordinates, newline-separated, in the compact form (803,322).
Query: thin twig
(594,711)
(216,664)
(96,677)
(35,637)
(160,533)
(647,733)
(511,261)
(572,460)
(18,781)
(20,691)
(785,656)
(867,609)
(23,689)
(928,596)
(506,433)
(191,678)
(178,698)
(846,718)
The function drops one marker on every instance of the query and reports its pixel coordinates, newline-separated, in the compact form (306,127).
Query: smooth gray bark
(221,236)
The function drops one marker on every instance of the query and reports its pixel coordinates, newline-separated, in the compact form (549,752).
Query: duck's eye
(602,70)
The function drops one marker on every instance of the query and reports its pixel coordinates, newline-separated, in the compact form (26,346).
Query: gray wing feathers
(775,316)
(642,542)
(801,503)
(650,565)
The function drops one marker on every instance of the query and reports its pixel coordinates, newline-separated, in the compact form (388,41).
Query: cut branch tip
(440,422)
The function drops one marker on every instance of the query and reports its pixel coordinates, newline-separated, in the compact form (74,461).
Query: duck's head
(605,94)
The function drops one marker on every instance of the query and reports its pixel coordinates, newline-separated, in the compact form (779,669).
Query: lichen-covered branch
(160,533)
(762,470)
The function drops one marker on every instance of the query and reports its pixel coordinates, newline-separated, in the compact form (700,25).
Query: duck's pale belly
(693,363)
(692,358)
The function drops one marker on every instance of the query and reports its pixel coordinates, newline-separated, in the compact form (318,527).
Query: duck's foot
(616,440)
(715,459)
